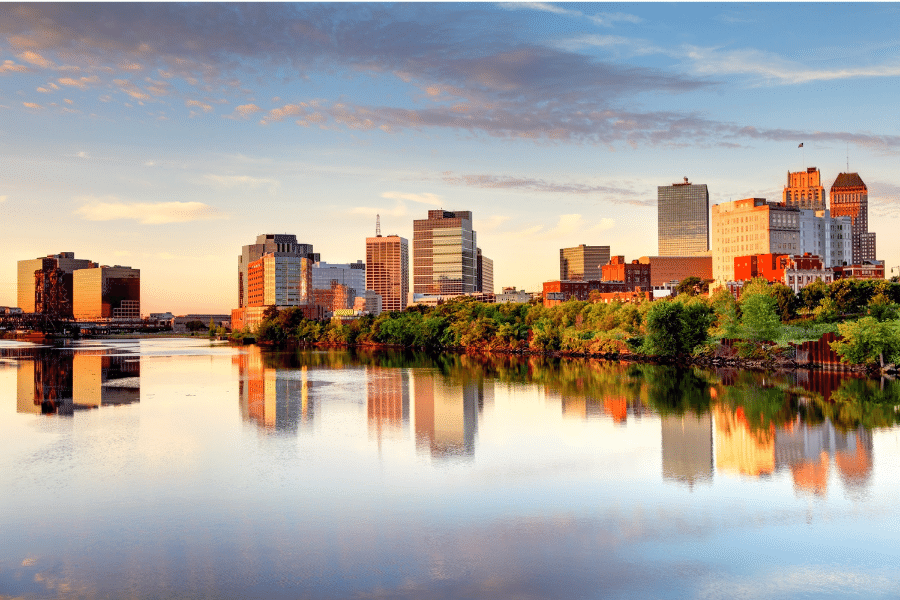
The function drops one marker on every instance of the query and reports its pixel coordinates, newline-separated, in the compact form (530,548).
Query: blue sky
(166,136)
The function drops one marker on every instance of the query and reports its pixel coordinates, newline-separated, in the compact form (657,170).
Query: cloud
(9,66)
(245,110)
(198,104)
(131,89)
(770,68)
(31,105)
(424,198)
(605,19)
(34,58)
(80,83)
(148,213)
(3,199)
(527,184)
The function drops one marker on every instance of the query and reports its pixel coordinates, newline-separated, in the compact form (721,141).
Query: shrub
(868,341)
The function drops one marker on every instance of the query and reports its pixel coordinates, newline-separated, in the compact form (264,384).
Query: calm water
(176,469)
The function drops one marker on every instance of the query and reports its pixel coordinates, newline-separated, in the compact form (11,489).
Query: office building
(45,284)
(106,293)
(511,294)
(353,275)
(804,190)
(387,270)
(286,252)
(751,226)
(582,262)
(850,198)
(830,238)
(485,282)
(368,302)
(444,254)
(683,219)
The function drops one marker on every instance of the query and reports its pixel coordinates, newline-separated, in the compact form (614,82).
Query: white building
(830,238)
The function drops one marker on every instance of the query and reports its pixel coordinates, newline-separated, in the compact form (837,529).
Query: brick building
(665,269)
(634,274)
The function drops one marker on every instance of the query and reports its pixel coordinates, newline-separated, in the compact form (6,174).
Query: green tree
(868,341)
(664,326)
(759,319)
(813,294)
(195,325)
(725,309)
(689,285)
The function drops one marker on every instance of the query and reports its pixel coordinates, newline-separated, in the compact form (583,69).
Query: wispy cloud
(81,83)
(31,105)
(149,213)
(600,18)
(423,198)
(9,66)
(34,58)
(198,104)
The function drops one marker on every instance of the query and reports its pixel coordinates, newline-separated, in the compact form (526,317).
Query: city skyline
(166,136)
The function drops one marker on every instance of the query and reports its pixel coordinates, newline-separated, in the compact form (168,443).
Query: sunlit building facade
(683,219)
(445,254)
(106,293)
(582,262)
(353,275)
(286,253)
(751,226)
(40,278)
(850,198)
(485,283)
(804,190)
(387,270)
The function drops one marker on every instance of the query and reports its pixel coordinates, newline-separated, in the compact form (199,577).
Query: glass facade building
(287,269)
(387,270)
(683,216)
(353,275)
(107,293)
(582,262)
(29,280)
(444,254)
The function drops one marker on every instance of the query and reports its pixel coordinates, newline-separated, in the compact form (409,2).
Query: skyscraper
(107,292)
(444,253)
(582,262)
(387,270)
(804,190)
(683,217)
(286,253)
(850,198)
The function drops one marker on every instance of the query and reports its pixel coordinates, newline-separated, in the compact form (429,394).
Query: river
(189,469)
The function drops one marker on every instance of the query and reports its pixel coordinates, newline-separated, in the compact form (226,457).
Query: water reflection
(687,447)
(60,382)
(274,391)
(387,400)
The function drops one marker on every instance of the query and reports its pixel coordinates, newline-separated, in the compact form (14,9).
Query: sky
(166,136)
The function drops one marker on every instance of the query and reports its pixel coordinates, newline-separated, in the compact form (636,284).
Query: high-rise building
(352,275)
(107,293)
(387,270)
(444,254)
(46,283)
(683,217)
(485,283)
(287,254)
(804,190)
(828,237)
(850,198)
(751,226)
(582,263)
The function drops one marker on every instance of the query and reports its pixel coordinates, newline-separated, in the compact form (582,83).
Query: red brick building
(794,270)
(557,292)
(867,270)
(634,274)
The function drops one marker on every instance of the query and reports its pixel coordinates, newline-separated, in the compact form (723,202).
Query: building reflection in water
(272,393)
(807,450)
(687,448)
(387,400)
(446,412)
(61,383)
(804,449)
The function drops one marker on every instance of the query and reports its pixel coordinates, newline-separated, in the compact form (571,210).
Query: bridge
(52,326)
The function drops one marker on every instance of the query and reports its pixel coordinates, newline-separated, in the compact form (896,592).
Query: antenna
(377,225)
